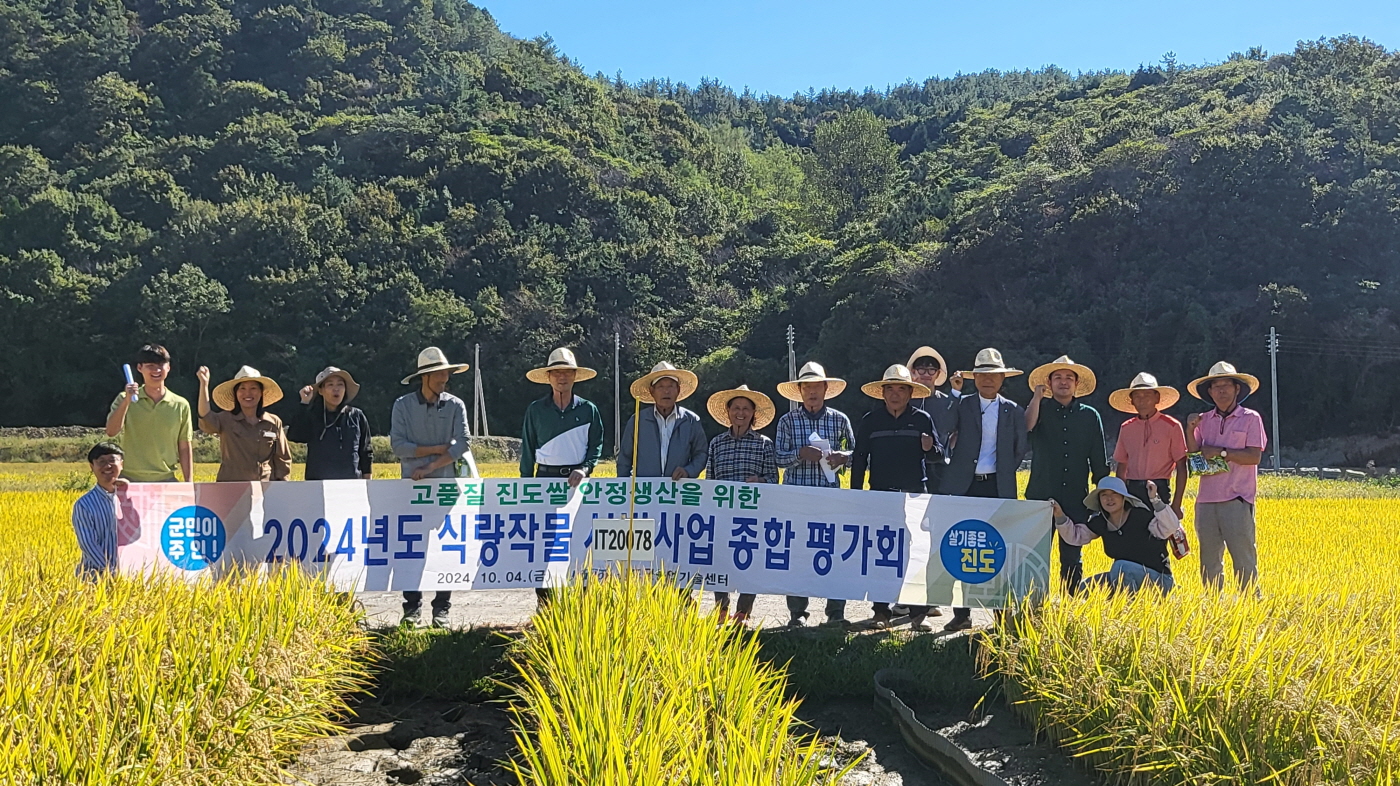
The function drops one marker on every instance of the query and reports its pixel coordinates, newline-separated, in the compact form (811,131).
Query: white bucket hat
(432,359)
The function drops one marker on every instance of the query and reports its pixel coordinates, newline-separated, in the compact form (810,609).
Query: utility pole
(1273,386)
(617,392)
(792,363)
(479,394)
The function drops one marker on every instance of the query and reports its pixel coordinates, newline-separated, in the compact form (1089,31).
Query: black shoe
(411,617)
(959,622)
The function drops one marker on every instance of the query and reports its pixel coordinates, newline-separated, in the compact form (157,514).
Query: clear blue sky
(783,46)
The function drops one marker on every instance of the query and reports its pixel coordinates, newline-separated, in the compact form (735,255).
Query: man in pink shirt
(1225,501)
(1151,446)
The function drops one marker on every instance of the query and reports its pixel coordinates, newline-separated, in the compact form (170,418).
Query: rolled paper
(126,369)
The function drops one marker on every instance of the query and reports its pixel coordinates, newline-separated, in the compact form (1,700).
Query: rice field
(143,682)
(1297,687)
(137,682)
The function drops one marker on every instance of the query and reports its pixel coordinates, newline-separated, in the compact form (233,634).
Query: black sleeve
(860,457)
(299,424)
(366,447)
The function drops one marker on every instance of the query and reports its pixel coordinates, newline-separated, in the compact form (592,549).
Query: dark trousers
(1138,488)
(1071,565)
(986,488)
(745,605)
(413,600)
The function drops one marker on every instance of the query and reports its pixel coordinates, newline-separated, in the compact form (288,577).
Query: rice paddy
(125,681)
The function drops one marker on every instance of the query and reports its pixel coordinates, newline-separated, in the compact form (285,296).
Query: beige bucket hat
(1122,400)
(352,388)
(930,352)
(560,358)
(811,372)
(1223,370)
(989,362)
(223,394)
(895,375)
(1041,375)
(718,405)
(432,359)
(641,388)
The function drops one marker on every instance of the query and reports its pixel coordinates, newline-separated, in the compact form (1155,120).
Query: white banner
(499,533)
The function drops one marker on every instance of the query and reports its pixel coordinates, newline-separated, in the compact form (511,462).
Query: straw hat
(1087,380)
(223,394)
(352,388)
(1223,370)
(989,362)
(718,405)
(1122,400)
(1111,483)
(930,352)
(559,359)
(811,372)
(895,375)
(432,359)
(641,389)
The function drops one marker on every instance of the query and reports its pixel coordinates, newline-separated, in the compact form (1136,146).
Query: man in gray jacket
(428,432)
(671,443)
(989,440)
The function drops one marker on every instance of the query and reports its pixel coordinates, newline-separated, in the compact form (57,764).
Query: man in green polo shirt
(563,433)
(156,428)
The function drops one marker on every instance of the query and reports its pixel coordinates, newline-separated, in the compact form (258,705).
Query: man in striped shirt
(95,513)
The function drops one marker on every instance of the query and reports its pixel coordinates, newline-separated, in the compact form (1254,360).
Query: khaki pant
(1222,525)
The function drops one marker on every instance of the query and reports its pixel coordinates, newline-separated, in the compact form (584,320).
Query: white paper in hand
(816,441)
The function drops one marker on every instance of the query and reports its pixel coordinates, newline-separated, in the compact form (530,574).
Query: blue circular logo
(973,551)
(193,538)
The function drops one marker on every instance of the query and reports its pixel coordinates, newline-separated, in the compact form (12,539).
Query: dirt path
(514,607)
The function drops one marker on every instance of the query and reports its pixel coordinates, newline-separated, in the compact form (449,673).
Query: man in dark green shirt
(1067,448)
(563,433)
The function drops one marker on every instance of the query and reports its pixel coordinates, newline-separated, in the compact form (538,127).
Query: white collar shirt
(987,456)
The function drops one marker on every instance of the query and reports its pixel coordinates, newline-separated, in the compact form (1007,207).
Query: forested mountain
(296,183)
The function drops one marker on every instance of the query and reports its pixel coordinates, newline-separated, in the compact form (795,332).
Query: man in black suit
(989,440)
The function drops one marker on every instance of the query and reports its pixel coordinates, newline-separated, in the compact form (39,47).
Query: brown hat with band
(895,375)
(560,359)
(352,388)
(433,359)
(811,372)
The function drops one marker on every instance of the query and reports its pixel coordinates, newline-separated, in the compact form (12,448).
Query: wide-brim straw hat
(559,360)
(811,372)
(895,375)
(1041,375)
(718,405)
(930,352)
(352,388)
(1111,483)
(433,359)
(641,388)
(989,362)
(1122,400)
(223,394)
(1223,370)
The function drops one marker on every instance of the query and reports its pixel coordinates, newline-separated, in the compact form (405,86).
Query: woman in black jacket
(336,434)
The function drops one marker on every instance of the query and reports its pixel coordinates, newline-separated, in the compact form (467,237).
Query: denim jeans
(1131,576)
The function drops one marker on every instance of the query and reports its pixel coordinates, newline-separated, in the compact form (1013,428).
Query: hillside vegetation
(304,182)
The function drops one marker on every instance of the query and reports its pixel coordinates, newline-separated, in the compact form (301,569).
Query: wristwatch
(1225,454)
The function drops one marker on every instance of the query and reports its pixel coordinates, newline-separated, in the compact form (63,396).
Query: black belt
(984,476)
(563,472)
